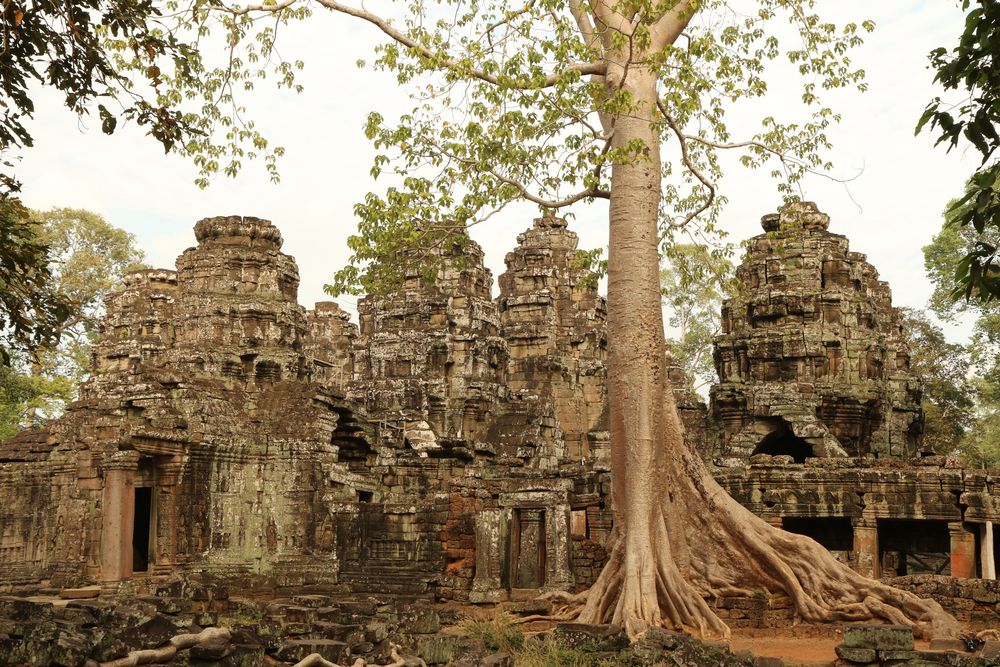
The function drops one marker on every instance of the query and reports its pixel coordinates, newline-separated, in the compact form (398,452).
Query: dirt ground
(812,651)
(805,645)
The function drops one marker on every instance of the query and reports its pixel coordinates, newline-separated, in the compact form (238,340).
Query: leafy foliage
(85,258)
(62,45)
(26,399)
(693,281)
(973,66)
(32,312)
(510,105)
(981,442)
(944,367)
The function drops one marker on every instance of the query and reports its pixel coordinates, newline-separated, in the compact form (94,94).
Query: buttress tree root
(398,660)
(693,542)
(168,651)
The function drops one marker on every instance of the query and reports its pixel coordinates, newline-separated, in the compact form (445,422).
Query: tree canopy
(980,442)
(77,48)
(944,368)
(694,280)
(32,312)
(972,68)
(84,259)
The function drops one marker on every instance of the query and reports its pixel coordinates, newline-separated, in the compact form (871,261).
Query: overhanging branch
(686,158)
(450,63)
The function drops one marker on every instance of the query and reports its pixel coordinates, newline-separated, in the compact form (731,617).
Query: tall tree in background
(31,311)
(972,68)
(559,102)
(85,259)
(943,367)
(694,279)
(942,257)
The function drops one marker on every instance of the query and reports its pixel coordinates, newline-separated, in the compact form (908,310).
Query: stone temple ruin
(455,445)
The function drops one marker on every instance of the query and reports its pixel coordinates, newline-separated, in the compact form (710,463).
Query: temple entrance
(141,527)
(527,549)
(909,546)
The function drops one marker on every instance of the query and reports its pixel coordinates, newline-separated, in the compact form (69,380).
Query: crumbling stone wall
(199,393)
(454,443)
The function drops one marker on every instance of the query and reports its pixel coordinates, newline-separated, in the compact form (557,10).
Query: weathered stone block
(594,637)
(878,636)
(855,655)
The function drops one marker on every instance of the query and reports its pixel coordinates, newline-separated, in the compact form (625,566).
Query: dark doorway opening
(141,528)
(834,533)
(911,546)
(782,442)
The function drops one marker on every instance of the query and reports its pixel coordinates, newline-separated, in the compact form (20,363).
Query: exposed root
(316,660)
(990,634)
(398,660)
(167,652)
(679,538)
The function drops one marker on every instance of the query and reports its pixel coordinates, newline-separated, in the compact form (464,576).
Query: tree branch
(277,7)
(686,158)
(548,203)
(584,23)
(668,28)
(449,63)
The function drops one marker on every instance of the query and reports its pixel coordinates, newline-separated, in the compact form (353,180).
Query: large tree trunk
(679,538)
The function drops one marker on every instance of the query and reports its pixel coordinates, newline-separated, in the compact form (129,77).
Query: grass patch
(500,632)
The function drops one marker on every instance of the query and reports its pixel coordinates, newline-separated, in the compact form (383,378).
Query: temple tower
(555,324)
(811,357)
(238,296)
(429,359)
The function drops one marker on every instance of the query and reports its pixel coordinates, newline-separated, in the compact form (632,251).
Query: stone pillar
(866,559)
(118,510)
(487,585)
(986,556)
(559,572)
(963,551)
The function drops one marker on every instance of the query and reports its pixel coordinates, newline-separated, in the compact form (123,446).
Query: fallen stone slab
(855,655)
(82,593)
(595,637)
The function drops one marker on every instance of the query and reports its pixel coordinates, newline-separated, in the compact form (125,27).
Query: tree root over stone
(687,542)
(166,652)
(398,660)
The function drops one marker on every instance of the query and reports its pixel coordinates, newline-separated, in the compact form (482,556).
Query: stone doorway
(142,523)
(527,549)
(911,546)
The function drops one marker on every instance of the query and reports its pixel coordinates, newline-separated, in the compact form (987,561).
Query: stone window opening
(783,442)
(268,371)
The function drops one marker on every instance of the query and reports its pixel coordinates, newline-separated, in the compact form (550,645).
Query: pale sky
(900,193)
